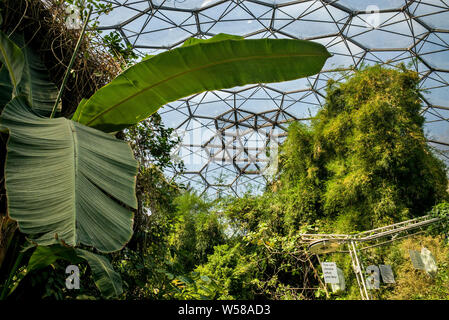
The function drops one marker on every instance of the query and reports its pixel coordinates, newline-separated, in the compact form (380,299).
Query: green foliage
(197,231)
(44,256)
(195,286)
(261,263)
(120,51)
(233,269)
(177,239)
(219,37)
(364,161)
(45,194)
(145,264)
(86,191)
(145,273)
(6,87)
(50,178)
(440,211)
(261,257)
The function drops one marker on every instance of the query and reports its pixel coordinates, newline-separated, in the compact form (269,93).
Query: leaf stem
(72,60)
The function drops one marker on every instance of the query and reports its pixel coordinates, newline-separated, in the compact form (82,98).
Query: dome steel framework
(226,134)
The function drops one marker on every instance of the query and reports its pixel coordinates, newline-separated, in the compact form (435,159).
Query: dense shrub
(364,161)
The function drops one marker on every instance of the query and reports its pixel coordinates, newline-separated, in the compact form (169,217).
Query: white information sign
(330,272)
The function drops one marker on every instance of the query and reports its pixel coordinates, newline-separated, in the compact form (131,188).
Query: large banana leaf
(36,83)
(63,180)
(12,58)
(107,280)
(195,67)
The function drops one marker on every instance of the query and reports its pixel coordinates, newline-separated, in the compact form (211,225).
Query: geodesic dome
(226,134)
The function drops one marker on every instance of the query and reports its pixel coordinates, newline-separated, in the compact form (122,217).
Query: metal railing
(362,240)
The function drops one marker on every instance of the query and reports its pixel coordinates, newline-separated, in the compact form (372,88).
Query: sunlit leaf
(198,66)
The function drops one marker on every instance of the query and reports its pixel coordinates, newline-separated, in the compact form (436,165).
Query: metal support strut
(358,270)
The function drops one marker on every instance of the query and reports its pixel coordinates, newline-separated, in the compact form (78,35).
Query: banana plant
(70,182)
(66,183)
(224,61)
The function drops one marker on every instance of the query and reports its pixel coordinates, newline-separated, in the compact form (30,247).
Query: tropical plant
(221,62)
(70,184)
(53,167)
